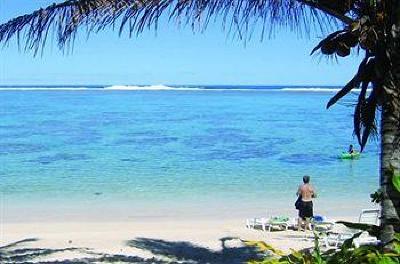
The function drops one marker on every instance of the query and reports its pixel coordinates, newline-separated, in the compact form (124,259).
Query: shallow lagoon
(168,152)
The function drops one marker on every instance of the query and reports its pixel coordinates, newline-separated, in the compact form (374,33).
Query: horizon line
(171,85)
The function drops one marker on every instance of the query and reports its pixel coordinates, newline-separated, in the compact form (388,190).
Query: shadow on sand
(162,250)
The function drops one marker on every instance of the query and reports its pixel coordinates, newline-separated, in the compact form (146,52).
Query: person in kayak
(351,150)
(307,193)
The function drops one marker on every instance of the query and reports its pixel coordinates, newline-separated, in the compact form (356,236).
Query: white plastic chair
(253,223)
(369,216)
(335,238)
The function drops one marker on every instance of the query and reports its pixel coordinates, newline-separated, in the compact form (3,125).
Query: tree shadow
(163,251)
(20,252)
(19,242)
(186,252)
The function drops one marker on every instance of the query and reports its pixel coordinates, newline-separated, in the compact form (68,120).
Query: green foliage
(395,175)
(375,254)
(377,196)
(263,247)
(396,181)
(396,243)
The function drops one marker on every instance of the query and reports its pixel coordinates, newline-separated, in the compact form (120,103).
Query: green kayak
(346,155)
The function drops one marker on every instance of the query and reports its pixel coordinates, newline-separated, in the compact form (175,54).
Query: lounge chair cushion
(278,219)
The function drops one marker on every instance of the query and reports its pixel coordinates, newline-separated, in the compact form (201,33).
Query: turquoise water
(155,149)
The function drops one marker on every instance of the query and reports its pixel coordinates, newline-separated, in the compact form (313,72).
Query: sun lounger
(335,237)
(253,223)
(279,222)
(365,239)
(322,224)
(372,217)
(335,240)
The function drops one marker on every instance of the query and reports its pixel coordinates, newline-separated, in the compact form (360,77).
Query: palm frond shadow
(19,242)
(22,252)
(186,252)
(165,251)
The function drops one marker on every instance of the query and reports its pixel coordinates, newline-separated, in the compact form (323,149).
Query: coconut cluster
(362,32)
(340,44)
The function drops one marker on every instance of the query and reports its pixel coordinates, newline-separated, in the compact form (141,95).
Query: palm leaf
(368,118)
(368,76)
(357,110)
(353,83)
(67,17)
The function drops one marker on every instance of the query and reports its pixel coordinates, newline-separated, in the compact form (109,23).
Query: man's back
(306,191)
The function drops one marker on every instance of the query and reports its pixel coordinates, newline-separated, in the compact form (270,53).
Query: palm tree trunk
(390,131)
(390,162)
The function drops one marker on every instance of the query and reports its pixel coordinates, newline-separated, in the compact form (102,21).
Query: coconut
(350,39)
(328,48)
(343,50)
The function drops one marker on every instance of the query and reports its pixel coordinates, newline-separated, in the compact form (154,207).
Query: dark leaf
(348,244)
(368,118)
(377,197)
(355,82)
(361,103)
(326,40)
(373,230)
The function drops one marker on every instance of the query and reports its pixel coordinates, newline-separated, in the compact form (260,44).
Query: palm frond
(362,121)
(66,18)
(368,118)
(357,111)
(353,83)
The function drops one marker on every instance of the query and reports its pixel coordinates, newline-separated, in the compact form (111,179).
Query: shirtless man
(307,193)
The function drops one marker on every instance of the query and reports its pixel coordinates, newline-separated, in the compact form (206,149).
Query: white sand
(95,234)
(190,241)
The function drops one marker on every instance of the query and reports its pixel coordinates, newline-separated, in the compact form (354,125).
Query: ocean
(157,151)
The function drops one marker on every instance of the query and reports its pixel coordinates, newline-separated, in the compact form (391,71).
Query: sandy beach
(96,231)
(151,240)
(195,241)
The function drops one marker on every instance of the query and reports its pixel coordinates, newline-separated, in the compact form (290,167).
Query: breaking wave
(159,87)
(162,87)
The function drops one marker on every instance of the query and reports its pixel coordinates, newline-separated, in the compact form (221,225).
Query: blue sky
(171,55)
